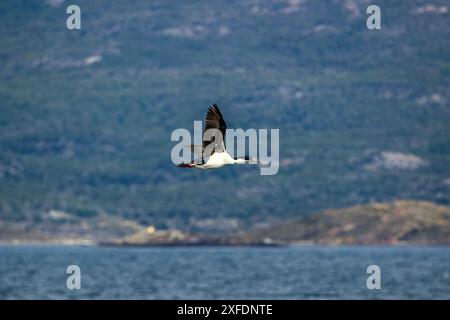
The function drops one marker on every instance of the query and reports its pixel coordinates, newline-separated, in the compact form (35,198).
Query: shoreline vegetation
(402,222)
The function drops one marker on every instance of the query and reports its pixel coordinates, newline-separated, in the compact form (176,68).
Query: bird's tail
(186,165)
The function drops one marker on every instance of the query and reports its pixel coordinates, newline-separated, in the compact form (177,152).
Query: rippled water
(38,272)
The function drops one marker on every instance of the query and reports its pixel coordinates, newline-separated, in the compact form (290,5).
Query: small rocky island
(152,237)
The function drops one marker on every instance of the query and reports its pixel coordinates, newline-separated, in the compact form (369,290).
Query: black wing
(214,120)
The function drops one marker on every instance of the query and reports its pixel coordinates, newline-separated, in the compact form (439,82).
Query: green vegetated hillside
(86,116)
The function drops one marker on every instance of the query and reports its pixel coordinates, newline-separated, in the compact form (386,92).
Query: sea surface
(39,272)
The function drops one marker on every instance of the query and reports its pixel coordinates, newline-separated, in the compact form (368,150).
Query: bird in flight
(212,152)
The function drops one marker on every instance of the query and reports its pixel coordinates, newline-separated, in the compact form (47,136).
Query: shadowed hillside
(86,116)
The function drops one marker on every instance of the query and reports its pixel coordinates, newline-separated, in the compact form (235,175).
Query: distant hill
(411,222)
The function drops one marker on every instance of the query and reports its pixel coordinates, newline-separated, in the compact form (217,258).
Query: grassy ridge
(398,222)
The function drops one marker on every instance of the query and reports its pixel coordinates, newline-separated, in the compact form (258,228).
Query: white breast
(217,160)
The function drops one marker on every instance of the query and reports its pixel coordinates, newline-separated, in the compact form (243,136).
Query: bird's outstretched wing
(214,120)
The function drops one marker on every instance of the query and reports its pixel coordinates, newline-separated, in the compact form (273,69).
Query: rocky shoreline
(394,223)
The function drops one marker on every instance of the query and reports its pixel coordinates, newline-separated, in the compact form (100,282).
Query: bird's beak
(263,164)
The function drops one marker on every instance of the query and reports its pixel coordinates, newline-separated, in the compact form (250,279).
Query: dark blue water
(38,272)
